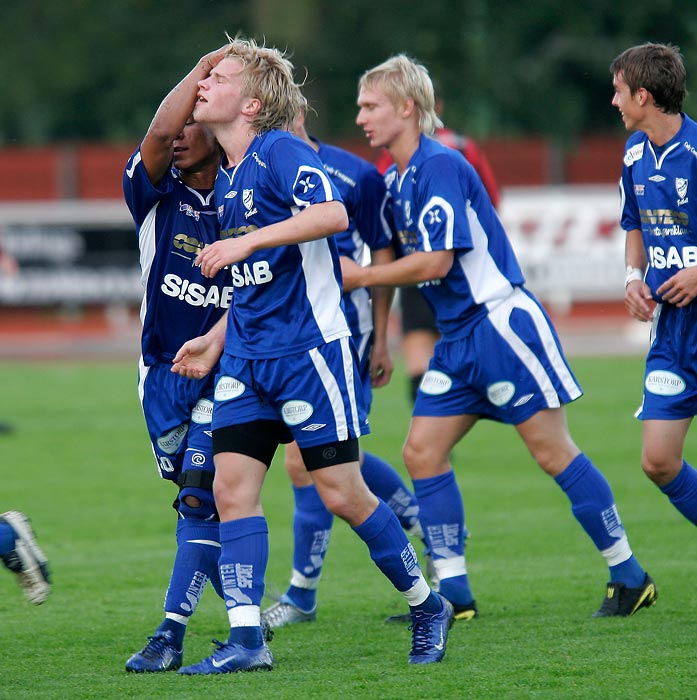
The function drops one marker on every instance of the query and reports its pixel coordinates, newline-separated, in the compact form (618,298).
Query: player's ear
(407,107)
(251,107)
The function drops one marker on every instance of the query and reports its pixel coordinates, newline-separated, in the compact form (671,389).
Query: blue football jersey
(363,190)
(439,203)
(655,193)
(287,299)
(173,222)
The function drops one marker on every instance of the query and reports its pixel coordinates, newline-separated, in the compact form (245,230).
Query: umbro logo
(314,426)
(231,194)
(657,178)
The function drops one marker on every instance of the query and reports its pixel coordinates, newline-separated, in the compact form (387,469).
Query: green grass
(79,464)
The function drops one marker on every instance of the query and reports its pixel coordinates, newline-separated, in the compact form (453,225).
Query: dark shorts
(416,314)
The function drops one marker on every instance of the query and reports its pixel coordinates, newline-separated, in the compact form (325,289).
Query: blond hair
(402,78)
(268,76)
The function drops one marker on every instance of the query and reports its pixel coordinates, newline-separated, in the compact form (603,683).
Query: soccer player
(499,356)
(168,186)
(658,215)
(419,331)
(289,369)
(362,189)
(21,554)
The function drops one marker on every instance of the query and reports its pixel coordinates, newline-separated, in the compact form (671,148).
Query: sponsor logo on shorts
(664,383)
(295,412)
(228,388)
(314,426)
(435,383)
(523,400)
(170,442)
(500,393)
(203,412)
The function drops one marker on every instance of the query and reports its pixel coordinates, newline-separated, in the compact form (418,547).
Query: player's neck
(234,139)
(664,128)
(403,148)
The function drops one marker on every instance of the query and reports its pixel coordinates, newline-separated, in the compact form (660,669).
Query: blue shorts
(670,380)
(178,413)
(510,367)
(316,393)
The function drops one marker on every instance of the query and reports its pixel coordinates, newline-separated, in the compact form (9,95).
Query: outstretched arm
(316,221)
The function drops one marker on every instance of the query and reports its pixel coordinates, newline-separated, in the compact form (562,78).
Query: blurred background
(529,82)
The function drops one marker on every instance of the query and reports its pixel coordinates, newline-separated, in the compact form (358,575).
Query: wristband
(633,273)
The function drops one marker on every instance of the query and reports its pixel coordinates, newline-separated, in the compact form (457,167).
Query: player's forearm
(634,251)
(409,270)
(314,222)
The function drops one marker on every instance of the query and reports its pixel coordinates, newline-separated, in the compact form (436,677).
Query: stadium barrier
(84,252)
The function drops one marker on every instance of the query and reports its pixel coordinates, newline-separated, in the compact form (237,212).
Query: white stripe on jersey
(323,291)
(334,392)
(147,245)
(500,319)
(486,282)
(449,222)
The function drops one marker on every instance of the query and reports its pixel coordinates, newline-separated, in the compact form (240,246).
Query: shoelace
(156,646)
(421,637)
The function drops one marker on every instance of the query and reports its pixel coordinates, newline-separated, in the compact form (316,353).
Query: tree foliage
(85,70)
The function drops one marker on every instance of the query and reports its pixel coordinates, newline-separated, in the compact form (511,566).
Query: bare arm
(381,365)
(637,295)
(157,147)
(407,271)
(197,357)
(316,221)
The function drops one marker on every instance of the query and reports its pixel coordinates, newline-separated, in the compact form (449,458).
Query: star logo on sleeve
(434,216)
(307,184)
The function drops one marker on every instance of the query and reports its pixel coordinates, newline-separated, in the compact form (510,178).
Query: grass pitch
(78,463)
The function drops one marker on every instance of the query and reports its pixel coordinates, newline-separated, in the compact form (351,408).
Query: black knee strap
(196,478)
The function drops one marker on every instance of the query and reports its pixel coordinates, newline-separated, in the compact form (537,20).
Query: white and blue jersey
(499,356)
(288,351)
(439,203)
(362,188)
(656,197)
(174,222)
(288,298)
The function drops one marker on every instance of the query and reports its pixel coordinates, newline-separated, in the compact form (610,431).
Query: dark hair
(659,69)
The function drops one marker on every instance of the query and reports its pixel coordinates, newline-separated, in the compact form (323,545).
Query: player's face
(220,97)
(194,146)
(627,103)
(378,117)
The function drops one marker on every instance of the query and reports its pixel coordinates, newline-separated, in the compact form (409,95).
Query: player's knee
(196,503)
(660,469)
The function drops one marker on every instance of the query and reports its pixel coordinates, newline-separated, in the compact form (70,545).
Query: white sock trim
(300,581)
(181,619)
(450,567)
(619,552)
(418,592)
(244,616)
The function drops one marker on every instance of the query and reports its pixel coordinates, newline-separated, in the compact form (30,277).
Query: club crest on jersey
(681,188)
(248,201)
(189,210)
